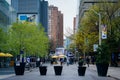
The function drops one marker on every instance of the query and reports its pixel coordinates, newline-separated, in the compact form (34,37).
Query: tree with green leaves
(3,39)
(29,38)
(90,29)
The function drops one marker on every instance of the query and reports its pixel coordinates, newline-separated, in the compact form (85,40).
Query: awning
(2,54)
(62,56)
(54,56)
(8,55)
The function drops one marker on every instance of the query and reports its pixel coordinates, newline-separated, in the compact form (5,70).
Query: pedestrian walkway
(112,71)
(68,73)
(6,72)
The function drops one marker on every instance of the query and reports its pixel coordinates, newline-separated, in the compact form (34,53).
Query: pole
(99,25)
(99,29)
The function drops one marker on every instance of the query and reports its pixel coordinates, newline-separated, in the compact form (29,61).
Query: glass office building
(32,11)
(7,14)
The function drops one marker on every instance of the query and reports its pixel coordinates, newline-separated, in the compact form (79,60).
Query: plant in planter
(81,68)
(43,70)
(102,59)
(58,70)
(80,62)
(19,68)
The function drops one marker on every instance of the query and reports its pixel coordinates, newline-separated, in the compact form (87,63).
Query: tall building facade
(84,5)
(32,10)
(60,30)
(55,27)
(74,24)
(7,14)
(44,14)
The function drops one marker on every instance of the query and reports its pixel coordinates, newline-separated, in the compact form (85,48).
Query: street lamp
(99,25)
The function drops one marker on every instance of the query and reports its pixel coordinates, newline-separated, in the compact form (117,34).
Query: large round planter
(19,69)
(102,69)
(58,70)
(81,70)
(43,70)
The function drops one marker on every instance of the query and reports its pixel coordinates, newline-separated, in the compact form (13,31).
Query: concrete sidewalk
(68,73)
(112,71)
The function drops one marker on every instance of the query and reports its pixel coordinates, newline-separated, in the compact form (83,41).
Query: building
(44,14)
(7,15)
(55,27)
(84,5)
(32,11)
(60,30)
(67,43)
(75,24)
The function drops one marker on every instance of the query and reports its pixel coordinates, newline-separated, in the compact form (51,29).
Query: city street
(69,73)
(71,33)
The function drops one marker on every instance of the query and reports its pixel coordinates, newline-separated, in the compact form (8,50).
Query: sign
(33,18)
(104,31)
(95,46)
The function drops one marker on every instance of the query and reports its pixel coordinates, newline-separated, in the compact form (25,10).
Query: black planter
(102,69)
(81,71)
(58,70)
(43,70)
(19,69)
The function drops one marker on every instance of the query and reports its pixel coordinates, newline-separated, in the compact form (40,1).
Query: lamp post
(99,25)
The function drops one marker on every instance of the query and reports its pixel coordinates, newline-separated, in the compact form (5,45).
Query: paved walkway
(69,72)
(112,71)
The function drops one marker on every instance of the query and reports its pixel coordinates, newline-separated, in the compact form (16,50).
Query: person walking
(61,61)
(67,61)
(88,60)
(93,59)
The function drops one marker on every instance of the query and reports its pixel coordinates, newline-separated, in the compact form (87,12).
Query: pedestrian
(67,61)
(61,61)
(87,61)
(93,59)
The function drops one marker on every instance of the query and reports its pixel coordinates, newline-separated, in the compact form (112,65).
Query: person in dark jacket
(88,60)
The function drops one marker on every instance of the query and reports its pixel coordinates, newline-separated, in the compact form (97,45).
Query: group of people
(89,59)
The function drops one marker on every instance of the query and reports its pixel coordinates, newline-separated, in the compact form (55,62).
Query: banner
(104,31)
(33,18)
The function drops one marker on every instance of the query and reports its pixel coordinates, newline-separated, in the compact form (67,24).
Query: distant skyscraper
(55,28)
(74,24)
(32,11)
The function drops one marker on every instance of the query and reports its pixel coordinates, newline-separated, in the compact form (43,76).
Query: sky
(69,10)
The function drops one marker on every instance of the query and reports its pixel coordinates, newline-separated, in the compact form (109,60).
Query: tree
(90,29)
(109,10)
(29,38)
(3,39)
(87,34)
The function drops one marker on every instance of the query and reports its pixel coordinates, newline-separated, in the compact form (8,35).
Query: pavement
(113,72)
(69,72)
